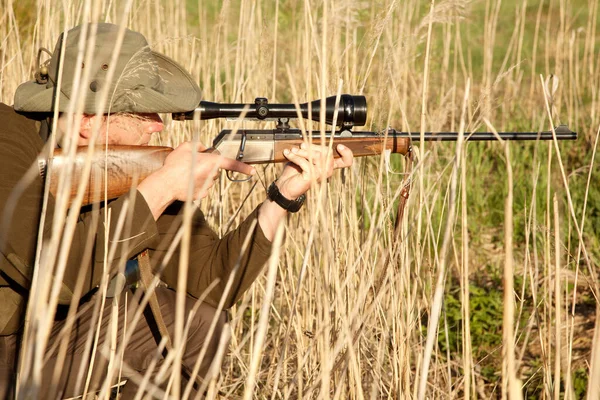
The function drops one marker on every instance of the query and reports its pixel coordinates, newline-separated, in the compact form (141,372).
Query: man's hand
(308,164)
(171,181)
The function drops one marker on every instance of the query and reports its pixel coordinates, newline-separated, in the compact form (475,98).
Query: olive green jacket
(211,258)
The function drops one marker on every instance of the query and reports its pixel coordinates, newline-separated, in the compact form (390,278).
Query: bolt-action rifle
(260,146)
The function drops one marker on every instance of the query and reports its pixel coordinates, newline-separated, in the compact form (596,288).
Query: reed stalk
(346,309)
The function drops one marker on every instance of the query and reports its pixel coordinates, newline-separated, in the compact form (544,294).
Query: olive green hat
(143,82)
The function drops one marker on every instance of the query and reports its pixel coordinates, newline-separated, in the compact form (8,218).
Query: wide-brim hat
(143,81)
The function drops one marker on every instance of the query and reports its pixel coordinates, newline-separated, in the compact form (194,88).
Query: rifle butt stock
(113,170)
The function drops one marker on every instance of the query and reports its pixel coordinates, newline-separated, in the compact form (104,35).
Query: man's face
(129,129)
(122,128)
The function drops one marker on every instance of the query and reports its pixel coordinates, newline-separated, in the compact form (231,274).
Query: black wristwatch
(290,205)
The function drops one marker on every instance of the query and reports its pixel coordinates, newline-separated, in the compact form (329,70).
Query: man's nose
(153,123)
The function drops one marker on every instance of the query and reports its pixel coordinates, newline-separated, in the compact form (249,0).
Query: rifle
(126,165)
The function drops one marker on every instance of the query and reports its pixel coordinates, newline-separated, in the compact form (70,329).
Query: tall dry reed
(333,319)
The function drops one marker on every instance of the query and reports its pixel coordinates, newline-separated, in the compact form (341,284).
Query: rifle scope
(351,110)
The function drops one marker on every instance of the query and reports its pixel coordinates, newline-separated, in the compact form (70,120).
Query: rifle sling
(146,278)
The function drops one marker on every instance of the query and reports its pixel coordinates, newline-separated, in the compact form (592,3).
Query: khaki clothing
(140,352)
(211,258)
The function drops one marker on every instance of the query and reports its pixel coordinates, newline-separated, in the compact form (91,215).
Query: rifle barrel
(562,133)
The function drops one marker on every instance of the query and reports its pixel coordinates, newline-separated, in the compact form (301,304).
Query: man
(140,84)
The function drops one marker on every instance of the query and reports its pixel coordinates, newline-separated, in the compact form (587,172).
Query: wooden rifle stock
(121,167)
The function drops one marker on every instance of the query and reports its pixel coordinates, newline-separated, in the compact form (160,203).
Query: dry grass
(342,322)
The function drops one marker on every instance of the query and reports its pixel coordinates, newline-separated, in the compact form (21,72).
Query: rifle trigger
(239,157)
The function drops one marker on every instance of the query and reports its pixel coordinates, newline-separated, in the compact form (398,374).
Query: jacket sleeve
(20,212)
(138,233)
(212,258)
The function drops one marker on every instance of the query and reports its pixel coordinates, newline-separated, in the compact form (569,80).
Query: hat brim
(179,93)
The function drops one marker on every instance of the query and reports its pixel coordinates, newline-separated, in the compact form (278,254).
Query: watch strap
(290,205)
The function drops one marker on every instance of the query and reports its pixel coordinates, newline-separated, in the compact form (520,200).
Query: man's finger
(347,158)
(300,161)
(316,148)
(200,147)
(314,155)
(200,194)
(236,166)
